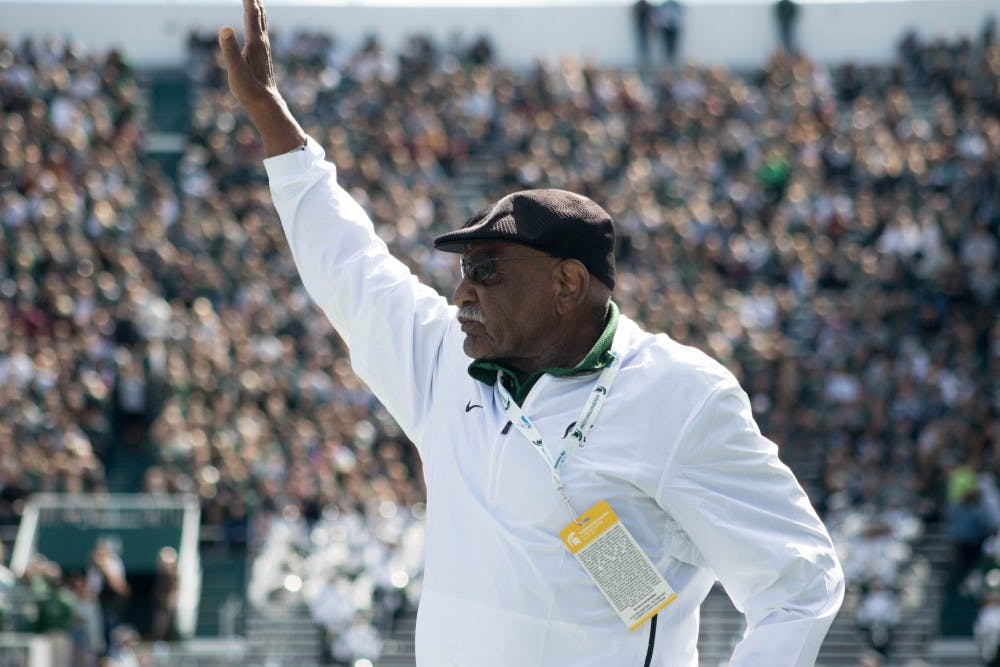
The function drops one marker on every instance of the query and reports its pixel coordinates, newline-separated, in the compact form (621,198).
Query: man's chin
(475,347)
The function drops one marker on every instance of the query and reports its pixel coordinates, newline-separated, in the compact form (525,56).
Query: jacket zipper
(495,455)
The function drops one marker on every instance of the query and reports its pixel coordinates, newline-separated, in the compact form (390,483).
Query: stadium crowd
(830,234)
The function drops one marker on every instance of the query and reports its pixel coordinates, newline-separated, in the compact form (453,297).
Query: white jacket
(675,452)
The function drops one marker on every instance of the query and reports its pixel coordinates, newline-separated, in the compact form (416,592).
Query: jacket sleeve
(755,527)
(394,327)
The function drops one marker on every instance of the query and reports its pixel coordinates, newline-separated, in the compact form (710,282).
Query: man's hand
(252,82)
(251,71)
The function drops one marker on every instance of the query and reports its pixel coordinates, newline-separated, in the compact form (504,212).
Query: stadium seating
(829,233)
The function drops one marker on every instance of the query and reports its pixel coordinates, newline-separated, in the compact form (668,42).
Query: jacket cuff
(288,167)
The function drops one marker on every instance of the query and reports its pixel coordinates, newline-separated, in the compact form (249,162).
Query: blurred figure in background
(642,17)
(54,608)
(878,615)
(8,580)
(987,627)
(88,628)
(122,649)
(968,522)
(669,20)
(106,578)
(786,13)
(165,588)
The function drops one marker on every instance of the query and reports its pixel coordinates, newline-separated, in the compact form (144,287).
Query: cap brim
(457,241)
(455,245)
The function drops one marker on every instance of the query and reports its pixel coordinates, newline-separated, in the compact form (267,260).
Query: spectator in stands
(359,642)
(669,19)
(124,642)
(8,580)
(106,579)
(873,554)
(165,591)
(132,394)
(88,628)
(987,626)
(642,18)
(786,15)
(878,615)
(968,523)
(55,610)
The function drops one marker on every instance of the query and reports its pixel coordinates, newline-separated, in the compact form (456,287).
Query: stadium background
(824,222)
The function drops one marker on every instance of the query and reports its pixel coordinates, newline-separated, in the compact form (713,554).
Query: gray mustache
(472,314)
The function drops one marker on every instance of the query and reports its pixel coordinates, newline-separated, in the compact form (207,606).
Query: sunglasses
(479,270)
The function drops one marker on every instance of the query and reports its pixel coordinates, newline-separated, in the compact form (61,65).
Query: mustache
(472,314)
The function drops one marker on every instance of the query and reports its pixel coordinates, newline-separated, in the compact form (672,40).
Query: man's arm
(394,327)
(753,523)
(252,82)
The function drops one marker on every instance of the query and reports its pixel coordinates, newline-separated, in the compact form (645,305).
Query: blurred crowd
(829,233)
(356,573)
(81,609)
(71,184)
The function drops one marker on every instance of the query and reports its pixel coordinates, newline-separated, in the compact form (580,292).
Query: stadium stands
(830,234)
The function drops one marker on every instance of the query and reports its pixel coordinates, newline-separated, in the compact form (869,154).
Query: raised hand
(250,70)
(252,82)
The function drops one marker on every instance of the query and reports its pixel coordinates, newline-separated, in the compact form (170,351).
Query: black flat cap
(560,223)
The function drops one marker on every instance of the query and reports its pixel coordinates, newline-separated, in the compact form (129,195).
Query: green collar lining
(598,358)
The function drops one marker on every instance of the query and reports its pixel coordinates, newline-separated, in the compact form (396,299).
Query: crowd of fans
(355,571)
(830,234)
(71,180)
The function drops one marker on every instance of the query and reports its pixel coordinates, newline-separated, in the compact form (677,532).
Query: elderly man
(587,481)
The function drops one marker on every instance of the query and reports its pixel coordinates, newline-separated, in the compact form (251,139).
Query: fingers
(254,21)
(230,49)
(251,73)
(250,20)
(227,38)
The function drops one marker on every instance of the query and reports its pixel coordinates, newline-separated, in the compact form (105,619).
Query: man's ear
(572,281)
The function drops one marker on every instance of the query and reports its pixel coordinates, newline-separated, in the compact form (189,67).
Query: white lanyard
(578,435)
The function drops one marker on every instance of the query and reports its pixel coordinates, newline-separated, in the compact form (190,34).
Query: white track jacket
(675,452)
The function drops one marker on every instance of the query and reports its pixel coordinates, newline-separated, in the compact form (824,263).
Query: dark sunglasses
(478,270)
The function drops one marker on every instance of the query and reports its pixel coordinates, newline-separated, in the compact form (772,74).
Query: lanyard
(591,408)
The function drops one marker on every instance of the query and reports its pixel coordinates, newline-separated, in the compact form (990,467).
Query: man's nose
(465,293)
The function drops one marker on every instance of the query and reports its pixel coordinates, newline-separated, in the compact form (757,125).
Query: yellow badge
(616,563)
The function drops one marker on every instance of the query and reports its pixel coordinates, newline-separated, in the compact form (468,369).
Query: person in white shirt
(587,481)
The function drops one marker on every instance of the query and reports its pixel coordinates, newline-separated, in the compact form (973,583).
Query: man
(785,13)
(587,482)
(642,18)
(670,20)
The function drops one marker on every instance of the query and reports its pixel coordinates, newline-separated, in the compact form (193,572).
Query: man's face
(507,307)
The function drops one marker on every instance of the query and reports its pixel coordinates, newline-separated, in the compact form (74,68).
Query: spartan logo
(600,389)
(575,433)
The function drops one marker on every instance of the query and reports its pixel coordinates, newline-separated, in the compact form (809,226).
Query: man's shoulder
(664,359)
